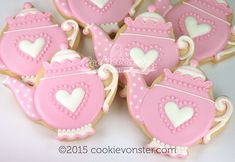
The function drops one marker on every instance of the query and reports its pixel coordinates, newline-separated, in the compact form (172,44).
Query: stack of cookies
(153,57)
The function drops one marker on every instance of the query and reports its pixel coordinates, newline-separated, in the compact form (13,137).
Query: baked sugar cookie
(30,38)
(69,97)
(178,110)
(106,13)
(208,22)
(146,43)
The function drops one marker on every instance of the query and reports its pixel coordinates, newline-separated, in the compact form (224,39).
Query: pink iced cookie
(106,13)
(70,96)
(177,111)
(206,21)
(146,43)
(30,38)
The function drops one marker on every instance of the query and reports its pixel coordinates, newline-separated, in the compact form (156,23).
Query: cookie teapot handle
(107,72)
(186,43)
(228,51)
(224,106)
(71,27)
(134,6)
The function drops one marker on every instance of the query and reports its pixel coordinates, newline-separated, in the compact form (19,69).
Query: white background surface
(23,140)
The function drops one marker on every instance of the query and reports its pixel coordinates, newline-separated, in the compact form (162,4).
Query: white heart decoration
(32,49)
(70,101)
(195,29)
(100,3)
(143,60)
(178,116)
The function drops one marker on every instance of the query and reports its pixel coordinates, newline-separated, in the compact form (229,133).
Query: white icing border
(224,105)
(104,73)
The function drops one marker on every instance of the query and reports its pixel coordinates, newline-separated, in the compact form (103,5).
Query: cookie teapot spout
(137,89)
(63,5)
(102,42)
(162,7)
(24,95)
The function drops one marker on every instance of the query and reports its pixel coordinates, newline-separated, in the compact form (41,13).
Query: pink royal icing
(178,111)
(206,21)
(100,12)
(66,97)
(31,38)
(146,44)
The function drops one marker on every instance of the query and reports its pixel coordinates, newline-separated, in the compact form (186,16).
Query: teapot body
(89,11)
(204,25)
(70,101)
(175,117)
(29,47)
(146,53)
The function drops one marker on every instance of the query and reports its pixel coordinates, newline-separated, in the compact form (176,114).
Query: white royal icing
(192,71)
(110,27)
(104,74)
(224,106)
(195,29)
(177,115)
(70,101)
(143,60)
(221,1)
(100,3)
(65,55)
(32,49)
(152,16)
(180,151)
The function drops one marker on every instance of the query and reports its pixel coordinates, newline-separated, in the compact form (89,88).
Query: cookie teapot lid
(66,62)
(29,17)
(28,9)
(149,23)
(191,70)
(188,78)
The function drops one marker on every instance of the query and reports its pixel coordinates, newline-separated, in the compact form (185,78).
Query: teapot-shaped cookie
(106,13)
(208,22)
(31,38)
(70,96)
(178,110)
(146,43)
